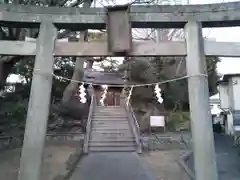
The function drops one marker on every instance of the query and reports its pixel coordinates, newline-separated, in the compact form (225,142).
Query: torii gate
(190,17)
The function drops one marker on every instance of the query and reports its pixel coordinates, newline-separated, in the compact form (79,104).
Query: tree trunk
(78,70)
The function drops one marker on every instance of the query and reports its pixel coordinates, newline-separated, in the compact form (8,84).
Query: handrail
(88,126)
(135,126)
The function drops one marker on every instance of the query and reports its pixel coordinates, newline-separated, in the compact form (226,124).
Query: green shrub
(176,119)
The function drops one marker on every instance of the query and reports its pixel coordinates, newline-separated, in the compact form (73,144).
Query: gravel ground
(158,142)
(165,165)
(162,152)
(227,156)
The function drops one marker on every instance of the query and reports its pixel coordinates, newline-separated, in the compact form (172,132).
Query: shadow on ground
(112,166)
(55,158)
(227,156)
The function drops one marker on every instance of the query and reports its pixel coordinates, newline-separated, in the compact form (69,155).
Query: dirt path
(54,162)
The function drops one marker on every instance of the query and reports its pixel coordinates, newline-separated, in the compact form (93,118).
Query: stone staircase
(111,130)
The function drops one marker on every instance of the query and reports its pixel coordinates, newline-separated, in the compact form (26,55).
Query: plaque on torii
(119,30)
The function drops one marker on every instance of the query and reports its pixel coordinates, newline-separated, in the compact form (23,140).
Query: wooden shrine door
(112,98)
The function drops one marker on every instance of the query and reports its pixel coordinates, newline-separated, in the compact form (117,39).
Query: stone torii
(190,17)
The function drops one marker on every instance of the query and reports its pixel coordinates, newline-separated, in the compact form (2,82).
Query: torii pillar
(201,123)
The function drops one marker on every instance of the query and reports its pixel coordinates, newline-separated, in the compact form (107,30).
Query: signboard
(157,121)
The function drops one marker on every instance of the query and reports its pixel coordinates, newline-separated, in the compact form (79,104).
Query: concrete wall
(229,125)
(229,97)
(224,97)
(235,84)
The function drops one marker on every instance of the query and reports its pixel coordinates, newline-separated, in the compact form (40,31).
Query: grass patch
(177,120)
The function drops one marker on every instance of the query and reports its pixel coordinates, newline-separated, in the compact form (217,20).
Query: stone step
(108,107)
(113,123)
(112,144)
(110,114)
(110,120)
(109,140)
(110,110)
(112,131)
(112,149)
(109,117)
(117,107)
(99,137)
(96,124)
(105,127)
(110,123)
(110,126)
